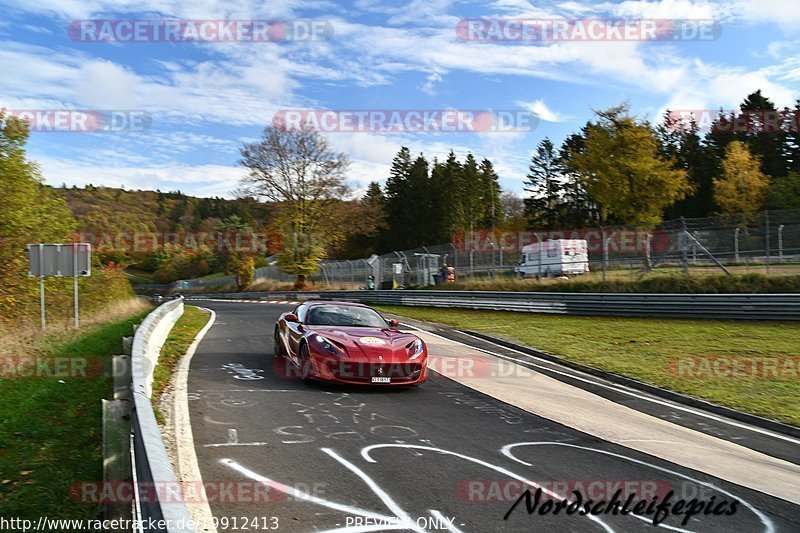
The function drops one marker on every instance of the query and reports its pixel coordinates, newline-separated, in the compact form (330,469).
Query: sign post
(75,280)
(41,285)
(60,260)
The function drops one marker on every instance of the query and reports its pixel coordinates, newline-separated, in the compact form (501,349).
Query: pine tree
(491,195)
(472,193)
(682,145)
(419,204)
(721,134)
(408,202)
(373,195)
(761,136)
(398,214)
(544,182)
(579,210)
(791,145)
(450,189)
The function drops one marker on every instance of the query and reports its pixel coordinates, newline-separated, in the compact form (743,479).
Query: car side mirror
(393,323)
(290,317)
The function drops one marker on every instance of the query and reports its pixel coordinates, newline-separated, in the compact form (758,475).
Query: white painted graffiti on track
(399,518)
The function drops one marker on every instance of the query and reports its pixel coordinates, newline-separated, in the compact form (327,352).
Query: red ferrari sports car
(349,343)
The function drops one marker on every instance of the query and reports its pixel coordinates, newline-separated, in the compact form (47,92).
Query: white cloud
(540,109)
(201,9)
(244,85)
(234,91)
(713,87)
(783,13)
(201,180)
(663,9)
(429,87)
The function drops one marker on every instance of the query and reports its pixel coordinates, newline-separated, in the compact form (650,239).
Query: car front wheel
(305,363)
(277,349)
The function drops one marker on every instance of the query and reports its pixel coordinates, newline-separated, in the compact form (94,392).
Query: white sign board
(60,260)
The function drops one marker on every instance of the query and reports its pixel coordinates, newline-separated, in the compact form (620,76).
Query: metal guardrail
(727,306)
(152,466)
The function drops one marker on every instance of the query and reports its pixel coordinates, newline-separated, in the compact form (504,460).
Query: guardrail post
(127,345)
(117,459)
(121,377)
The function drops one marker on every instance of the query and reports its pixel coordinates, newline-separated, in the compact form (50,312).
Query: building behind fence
(766,242)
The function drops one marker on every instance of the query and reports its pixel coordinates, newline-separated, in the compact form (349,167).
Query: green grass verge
(180,337)
(646,350)
(51,432)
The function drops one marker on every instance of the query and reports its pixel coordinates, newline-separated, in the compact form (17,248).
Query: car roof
(334,302)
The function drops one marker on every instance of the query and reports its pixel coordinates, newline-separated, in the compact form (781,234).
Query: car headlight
(416,348)
(328,346)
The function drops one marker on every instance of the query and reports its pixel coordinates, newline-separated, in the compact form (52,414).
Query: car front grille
(364,372)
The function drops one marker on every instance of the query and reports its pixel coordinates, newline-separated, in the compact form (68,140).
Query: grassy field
(51,429)
(674,283)
(180,337)
(649,350)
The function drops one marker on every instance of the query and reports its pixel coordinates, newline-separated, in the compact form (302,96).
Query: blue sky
(205,99)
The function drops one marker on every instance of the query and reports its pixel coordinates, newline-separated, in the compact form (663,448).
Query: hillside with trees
(619,169)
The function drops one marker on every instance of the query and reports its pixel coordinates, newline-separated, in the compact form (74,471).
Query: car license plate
(381,380)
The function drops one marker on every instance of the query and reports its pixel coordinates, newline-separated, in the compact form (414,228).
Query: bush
(245,272)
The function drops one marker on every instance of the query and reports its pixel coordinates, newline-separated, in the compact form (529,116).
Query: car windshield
(344,315)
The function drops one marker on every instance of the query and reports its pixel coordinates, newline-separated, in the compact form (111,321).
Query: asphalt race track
(442,456)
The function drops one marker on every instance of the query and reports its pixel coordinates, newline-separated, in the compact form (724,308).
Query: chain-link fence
(766,242)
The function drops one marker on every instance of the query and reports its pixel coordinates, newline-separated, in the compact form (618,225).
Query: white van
(560,257)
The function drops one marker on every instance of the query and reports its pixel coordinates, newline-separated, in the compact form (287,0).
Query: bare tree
(297,170)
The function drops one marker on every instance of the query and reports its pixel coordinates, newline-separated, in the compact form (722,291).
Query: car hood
(368,343)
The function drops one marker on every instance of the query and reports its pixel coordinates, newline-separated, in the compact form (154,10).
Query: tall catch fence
(766,242)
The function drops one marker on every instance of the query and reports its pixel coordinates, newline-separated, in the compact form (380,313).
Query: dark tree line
(426,202)
(558,177)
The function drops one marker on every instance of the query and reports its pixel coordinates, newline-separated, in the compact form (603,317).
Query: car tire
(277,349)
(305,363)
